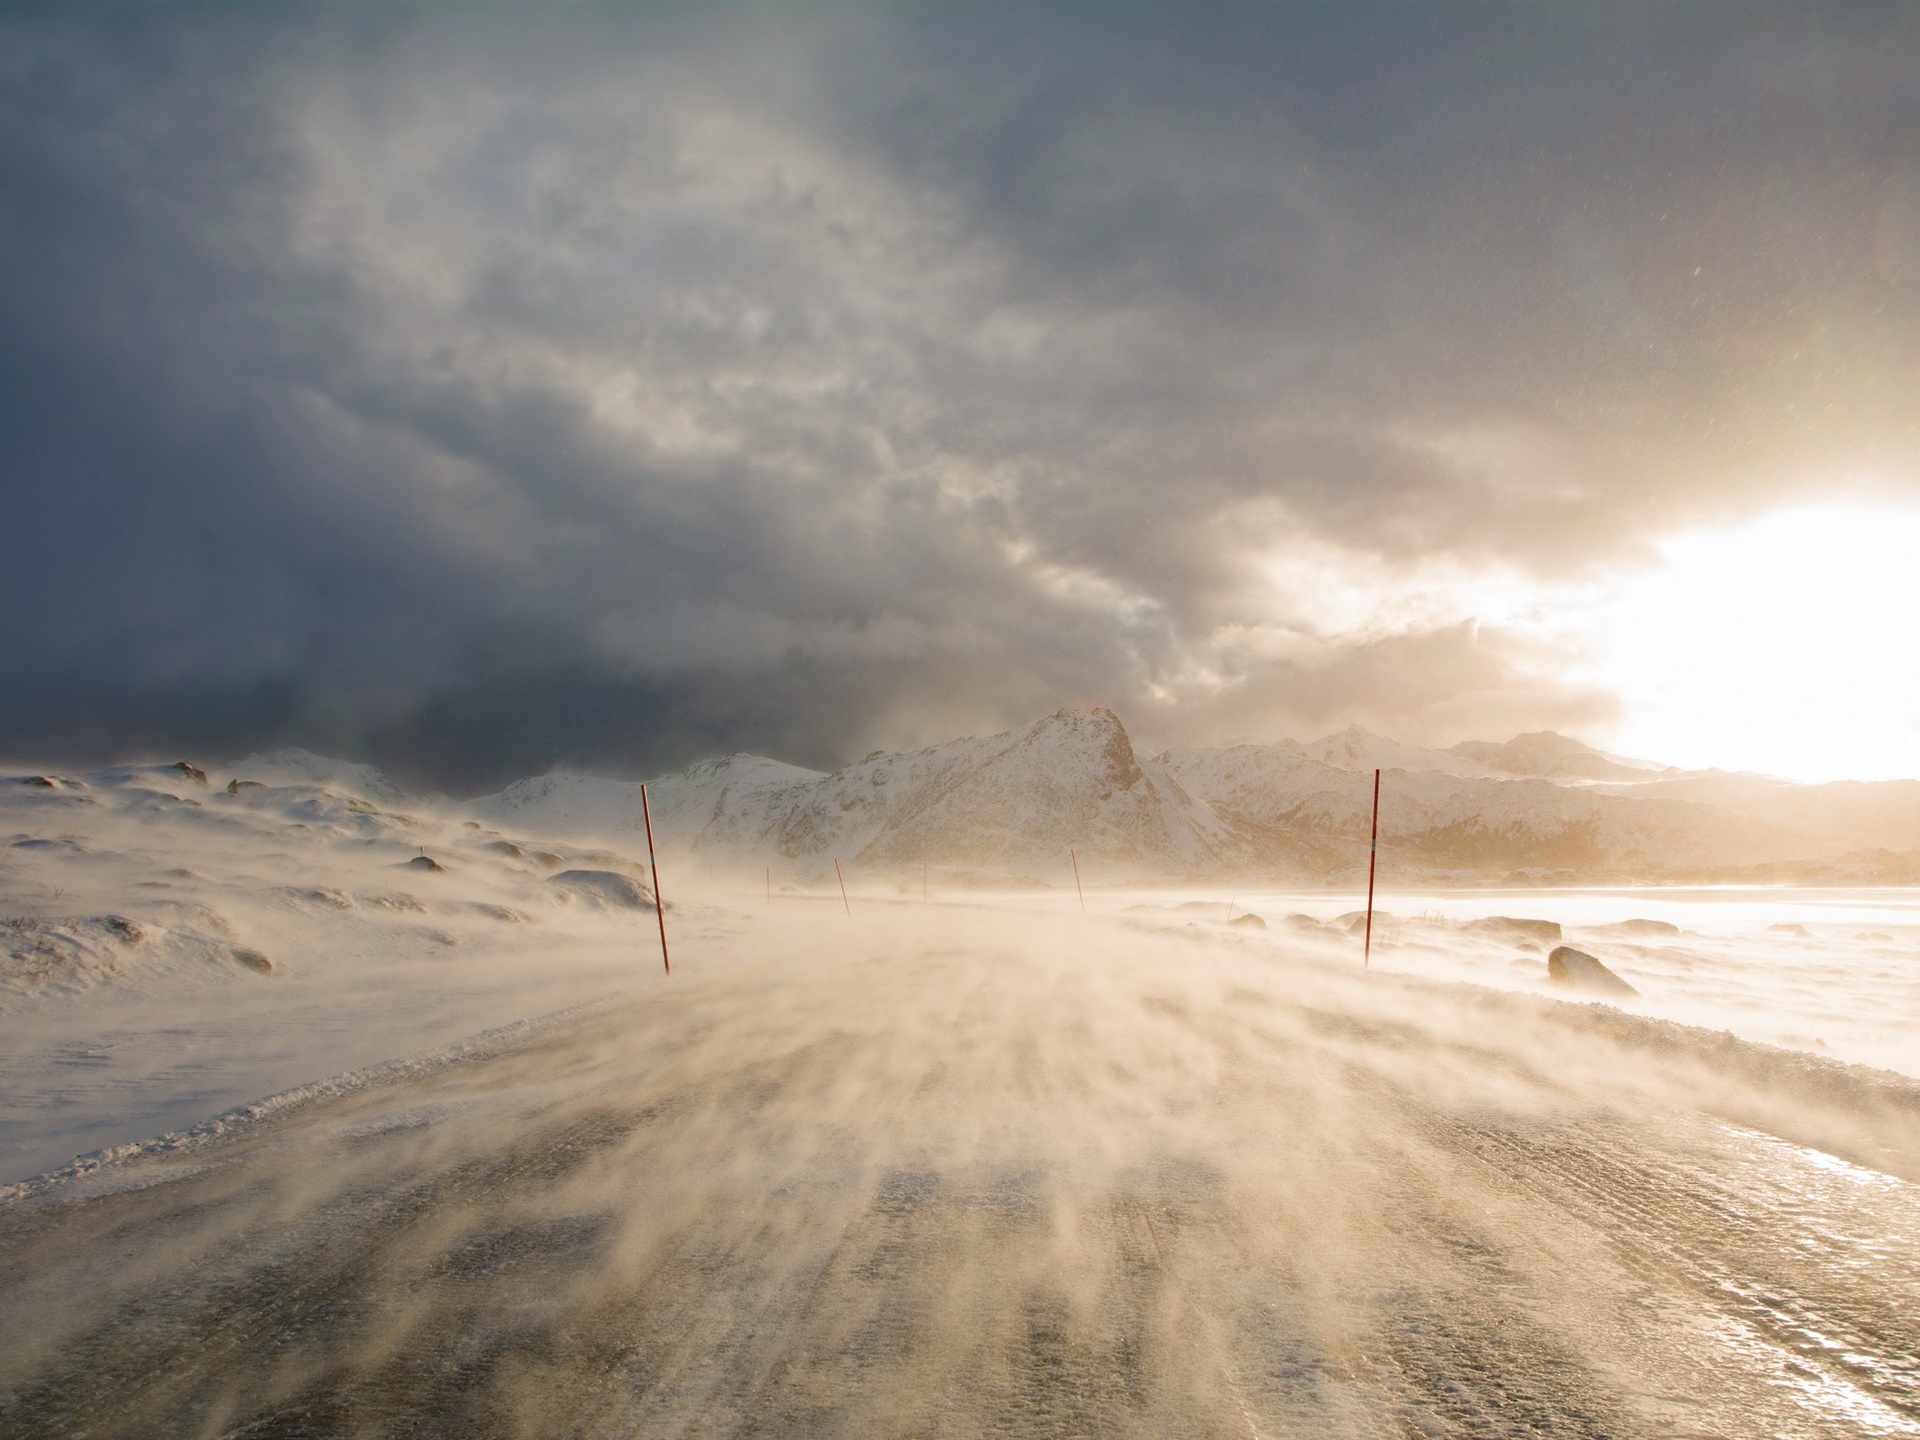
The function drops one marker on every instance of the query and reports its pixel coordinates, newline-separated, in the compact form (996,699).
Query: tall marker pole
(1076,880)
(1373,859)
(843,885)
(659,904)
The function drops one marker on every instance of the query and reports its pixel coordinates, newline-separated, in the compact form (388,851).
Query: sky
(479,390)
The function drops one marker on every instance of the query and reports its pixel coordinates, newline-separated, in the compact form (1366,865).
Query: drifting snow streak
(1040,1177)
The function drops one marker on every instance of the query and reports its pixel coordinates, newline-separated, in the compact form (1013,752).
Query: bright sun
(1784,646)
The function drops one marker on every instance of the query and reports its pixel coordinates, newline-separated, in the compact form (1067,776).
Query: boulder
(1506,927)
(1578,970)
(191,772)
(605,887)
(1248,921)
(1354,922)
(1635,927)
(425,862)
(253,960)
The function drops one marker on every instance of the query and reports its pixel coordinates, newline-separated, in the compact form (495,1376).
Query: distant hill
(1444,825)
(1553,757)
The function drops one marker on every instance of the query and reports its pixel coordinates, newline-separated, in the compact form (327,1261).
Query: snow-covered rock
(1577,970)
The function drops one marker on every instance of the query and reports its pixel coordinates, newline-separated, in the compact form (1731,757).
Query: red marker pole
(1373,859)
(843,885)
(1076,881)
(659,902)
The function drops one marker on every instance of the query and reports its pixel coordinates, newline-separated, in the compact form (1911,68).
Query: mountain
(711,800)
(1542,754)
(1009,804)
(1449,826)
(1539,807)
(1553,757)
(1356,749)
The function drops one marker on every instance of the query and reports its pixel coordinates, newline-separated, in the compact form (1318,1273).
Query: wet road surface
(1057,1181)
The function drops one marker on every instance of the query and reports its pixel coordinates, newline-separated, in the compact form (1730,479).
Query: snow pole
(1373,859)
(659,903)
(1076,880)
(843,884)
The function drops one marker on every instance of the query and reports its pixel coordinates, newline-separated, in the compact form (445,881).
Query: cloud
(478,390)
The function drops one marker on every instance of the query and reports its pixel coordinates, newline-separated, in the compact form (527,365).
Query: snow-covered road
(1026,1176)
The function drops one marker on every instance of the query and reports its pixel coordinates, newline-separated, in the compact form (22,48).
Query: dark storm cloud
(481,389)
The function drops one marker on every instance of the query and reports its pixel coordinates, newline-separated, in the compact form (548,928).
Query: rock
(425,862)
(1248,921)
(40,782)
(505,914)
(192,772)
(505,847)
(1789,929)
(253,960)
(1354,922)
(607,887)
(1578,970)
(1506,927)
(234,787)
(1635,927)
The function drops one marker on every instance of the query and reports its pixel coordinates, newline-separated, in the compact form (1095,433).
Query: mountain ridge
(1541,807)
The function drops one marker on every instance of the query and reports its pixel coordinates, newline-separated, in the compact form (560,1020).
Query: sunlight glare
(1782,646)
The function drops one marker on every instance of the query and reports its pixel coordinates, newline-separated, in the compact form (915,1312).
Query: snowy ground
(979,1165)
(136,914)
(1834,972)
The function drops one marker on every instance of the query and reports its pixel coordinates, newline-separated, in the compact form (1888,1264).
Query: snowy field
(978,1164)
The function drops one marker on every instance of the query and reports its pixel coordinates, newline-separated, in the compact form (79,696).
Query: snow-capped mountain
(1357,749)
(1540,806)
(1541,754)
(1553,757)
(1013,803)
(1444,822)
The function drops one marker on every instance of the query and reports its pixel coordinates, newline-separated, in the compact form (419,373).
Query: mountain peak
(1091,733)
